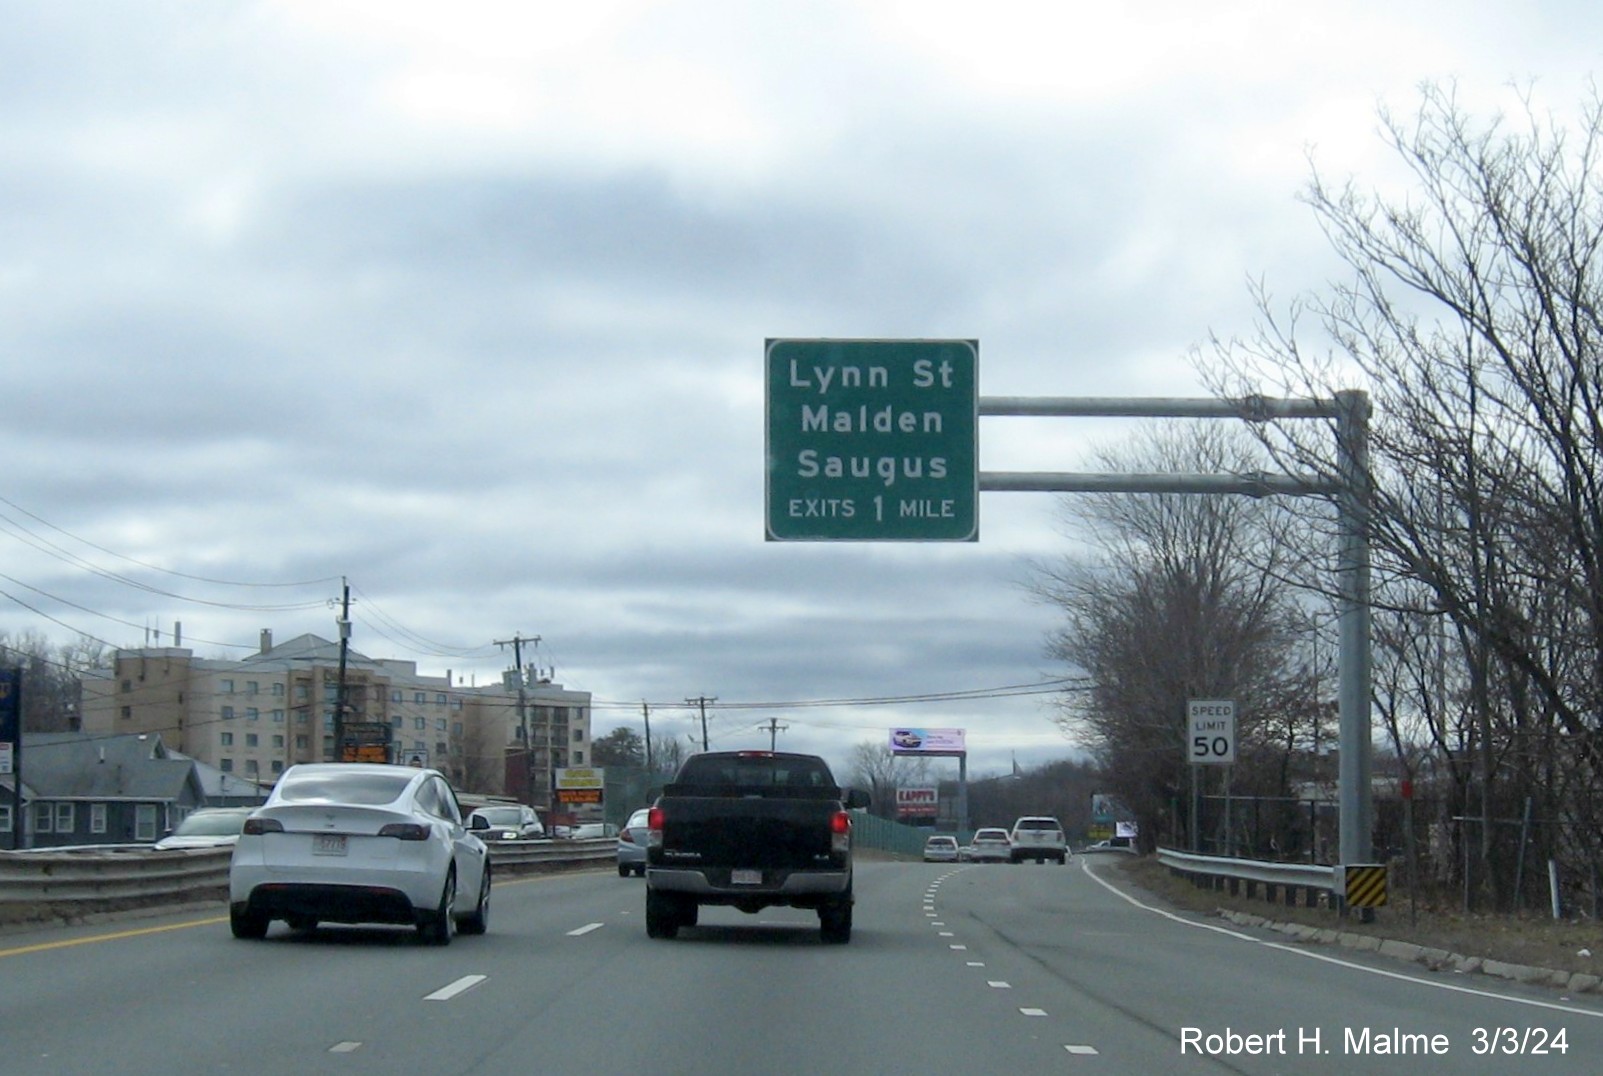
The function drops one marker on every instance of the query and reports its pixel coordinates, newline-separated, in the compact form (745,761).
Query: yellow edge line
(46,946)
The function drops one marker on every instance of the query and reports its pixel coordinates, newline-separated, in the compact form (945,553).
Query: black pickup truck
(751,829)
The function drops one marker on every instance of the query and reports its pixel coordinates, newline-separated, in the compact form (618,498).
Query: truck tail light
(654,821)
(840,833)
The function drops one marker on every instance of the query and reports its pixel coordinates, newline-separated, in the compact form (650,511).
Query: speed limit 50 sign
(1211,732)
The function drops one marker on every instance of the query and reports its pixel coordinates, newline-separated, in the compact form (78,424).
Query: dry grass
(1538,941)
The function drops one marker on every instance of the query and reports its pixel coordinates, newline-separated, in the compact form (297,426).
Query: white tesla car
(360,843)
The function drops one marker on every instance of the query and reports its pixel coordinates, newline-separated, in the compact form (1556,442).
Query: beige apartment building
(258,716)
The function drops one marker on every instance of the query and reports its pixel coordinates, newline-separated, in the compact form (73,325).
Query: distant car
(1039,837)
(990,845)
(360,843)
(590,831)
(209,827)
(511,823)
(940,850)
(632,844)
(1113,844)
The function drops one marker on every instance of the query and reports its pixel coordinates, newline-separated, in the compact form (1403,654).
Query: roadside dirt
(1532,940)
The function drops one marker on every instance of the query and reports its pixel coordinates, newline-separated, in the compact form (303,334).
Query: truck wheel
(835,923)
(662,916)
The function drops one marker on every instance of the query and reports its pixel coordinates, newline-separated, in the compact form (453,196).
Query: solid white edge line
(1295,951)
(446,993)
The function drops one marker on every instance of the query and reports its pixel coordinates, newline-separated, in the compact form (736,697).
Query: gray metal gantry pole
(1350,409)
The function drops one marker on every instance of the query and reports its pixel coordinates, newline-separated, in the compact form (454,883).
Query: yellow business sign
(580,777)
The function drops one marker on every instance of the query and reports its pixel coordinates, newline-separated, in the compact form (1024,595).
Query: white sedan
(360,843)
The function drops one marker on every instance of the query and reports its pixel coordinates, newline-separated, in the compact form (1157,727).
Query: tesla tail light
(406,831)
(255,827)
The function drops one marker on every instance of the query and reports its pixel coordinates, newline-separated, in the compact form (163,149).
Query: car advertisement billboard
(911,741)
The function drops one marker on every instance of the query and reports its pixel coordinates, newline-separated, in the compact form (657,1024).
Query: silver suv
(1039,837)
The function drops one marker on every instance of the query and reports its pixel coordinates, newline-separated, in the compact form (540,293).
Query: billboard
(909,741)
(917,802)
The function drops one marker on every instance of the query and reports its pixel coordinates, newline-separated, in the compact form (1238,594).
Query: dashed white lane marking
(976,963)
(587,928)
(446,993)
(948,934)
(1033,1012)
(957,947)
(998,984)
(344,1047)
(1089,1050)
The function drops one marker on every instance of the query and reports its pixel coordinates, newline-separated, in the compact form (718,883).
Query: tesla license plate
(745,877)
(328,844)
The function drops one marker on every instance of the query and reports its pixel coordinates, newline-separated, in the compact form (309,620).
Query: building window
(398,721)
(302,692)
(441,751)
(145,822)
(328,747)
(5,818)
(439,700)
(227,687)
(127,686)
(396,695)
(420,723)
(252,687)
(226,765)
(228,713)
(278,740)
(578,758)
(278,716)
(252,714)
(303,742)
(456,729)
(278,765)
(127,712)
(331,692)
(302,717)
(43,817)
(250,767)
(578,735)
(328,720)
(97,818)
(250,739)
(439,724)
(66,817)
(226,739)
(278,691)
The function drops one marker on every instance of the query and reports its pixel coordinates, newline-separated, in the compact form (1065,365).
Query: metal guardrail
(1224,872)
(64,882)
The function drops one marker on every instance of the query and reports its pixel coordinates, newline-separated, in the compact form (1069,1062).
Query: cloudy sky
(466,303)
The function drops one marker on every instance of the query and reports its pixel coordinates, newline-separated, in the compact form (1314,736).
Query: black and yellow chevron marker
(1366,886)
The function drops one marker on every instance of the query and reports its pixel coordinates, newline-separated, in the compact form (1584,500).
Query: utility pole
(645,713)
(702,701)
(774,729)
(516,643)
(339,691)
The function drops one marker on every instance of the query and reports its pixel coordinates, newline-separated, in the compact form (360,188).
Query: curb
(1434,959)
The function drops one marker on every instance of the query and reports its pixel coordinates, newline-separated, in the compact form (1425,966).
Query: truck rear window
(755,773)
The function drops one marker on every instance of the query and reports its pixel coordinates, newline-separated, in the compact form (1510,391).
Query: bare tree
(1183,597)
(1472,318)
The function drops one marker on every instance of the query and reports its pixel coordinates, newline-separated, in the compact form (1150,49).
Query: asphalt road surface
(952,968)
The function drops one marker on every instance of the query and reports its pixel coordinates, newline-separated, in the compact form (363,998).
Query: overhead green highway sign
(873,440)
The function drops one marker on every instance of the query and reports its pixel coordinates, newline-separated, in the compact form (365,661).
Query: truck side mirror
(855,798)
